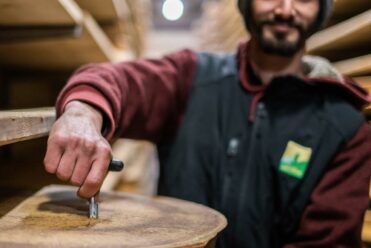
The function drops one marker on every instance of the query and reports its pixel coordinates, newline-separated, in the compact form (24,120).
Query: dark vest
(254,173)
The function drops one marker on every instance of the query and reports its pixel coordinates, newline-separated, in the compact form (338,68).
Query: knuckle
(83,194)
(76,181)
(58,138)
(74,141)
(89,145)
(104,148)
(63,175)
(93,183)
(49,166)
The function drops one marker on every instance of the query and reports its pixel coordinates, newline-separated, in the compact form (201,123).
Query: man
(272,139)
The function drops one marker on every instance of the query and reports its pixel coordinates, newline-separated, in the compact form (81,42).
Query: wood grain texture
(24,124)
(63,53)
(352,33)
(55,217)
(39,13)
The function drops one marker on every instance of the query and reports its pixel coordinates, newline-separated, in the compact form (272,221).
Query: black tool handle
(115,165)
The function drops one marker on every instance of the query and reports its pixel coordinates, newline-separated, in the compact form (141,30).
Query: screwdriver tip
(93,208)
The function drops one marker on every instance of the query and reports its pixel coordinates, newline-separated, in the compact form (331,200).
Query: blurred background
(43,41)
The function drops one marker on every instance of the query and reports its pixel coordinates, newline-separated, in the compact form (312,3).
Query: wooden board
(366,231)
(106,11)
(62,53)
(346,8)
(364,82)
(340,40)
(11,34)
(39,13)
(55,217)
(17,125)
(356,66)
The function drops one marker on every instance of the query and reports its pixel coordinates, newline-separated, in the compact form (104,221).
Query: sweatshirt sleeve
(334,215)
(142,99)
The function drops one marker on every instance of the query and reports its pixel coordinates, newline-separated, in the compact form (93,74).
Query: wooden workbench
(55,217)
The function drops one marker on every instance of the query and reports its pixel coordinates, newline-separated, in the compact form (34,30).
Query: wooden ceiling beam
(358,66)
(27,13)
(344,36)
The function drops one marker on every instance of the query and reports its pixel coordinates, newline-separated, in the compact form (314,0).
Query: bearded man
(273,139)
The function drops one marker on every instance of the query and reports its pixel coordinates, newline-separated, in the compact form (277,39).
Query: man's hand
(77,151)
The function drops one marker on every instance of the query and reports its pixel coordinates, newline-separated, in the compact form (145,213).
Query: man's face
(282,26)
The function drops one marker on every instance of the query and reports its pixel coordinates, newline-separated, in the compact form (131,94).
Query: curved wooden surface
(55,217)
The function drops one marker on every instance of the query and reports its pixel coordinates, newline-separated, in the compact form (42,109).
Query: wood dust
(60,221)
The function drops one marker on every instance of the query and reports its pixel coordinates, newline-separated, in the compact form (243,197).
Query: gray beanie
(323,15)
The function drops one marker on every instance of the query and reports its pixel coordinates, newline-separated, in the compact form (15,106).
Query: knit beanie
(323,15)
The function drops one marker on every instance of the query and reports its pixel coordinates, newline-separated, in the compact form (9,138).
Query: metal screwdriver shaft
(115,165)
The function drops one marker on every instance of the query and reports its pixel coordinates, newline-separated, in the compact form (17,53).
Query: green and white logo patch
(295,160)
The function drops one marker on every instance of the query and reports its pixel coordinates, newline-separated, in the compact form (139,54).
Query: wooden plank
(55,217)
(364,82)
(107,11)
(366,231)
(346,8)
(356,66)
(342,38)
(11,34)
(62,53)
(39,13)
(18,125)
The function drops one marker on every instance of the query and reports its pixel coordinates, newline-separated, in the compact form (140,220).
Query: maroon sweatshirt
(139,97)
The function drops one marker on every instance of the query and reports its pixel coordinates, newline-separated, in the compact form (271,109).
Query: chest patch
(295,160)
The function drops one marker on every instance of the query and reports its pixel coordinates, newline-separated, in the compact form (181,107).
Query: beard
(278,43)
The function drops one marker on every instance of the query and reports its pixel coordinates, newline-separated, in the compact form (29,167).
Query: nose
(285,9)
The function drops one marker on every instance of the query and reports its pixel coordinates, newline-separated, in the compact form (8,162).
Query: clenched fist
(77,152)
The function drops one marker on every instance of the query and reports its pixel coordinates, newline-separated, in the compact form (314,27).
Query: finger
(81,170)
(96,175)
(66,165)
(53,156)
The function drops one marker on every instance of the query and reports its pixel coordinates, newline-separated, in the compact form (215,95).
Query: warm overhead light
(173,10)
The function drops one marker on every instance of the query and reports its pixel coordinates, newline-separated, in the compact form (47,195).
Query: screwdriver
(115,165)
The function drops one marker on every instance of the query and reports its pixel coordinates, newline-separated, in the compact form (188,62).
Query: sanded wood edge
(25,124)
(102,11)
(341,30)
(73,10)
(356,66)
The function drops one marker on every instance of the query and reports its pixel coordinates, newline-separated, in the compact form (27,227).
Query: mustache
(279,20)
